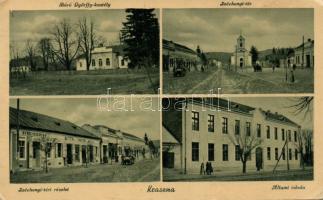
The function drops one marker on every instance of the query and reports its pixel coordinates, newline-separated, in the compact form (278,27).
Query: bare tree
(246,143)
(46,144)
(87,39)
(45,51)
(31,54)
(304,147)
(302,105)
(65,43)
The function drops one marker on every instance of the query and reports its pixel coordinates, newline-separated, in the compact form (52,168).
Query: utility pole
(18,129)
(236,62)
(287,138)
(303,53)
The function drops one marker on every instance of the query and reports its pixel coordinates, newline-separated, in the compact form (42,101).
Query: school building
(206,130)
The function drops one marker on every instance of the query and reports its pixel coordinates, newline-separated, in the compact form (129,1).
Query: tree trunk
(244,167)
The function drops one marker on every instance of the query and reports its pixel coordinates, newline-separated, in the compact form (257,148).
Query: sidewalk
(176,175)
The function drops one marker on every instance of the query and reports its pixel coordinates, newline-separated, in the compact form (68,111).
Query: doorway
(83,153)
(259,158)
(241,62)
(168,159)
(308,61)
(36,153)
(69,153)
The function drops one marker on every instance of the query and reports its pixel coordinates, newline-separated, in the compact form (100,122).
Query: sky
(218,29)
(280,105)
(34,25)
(86,111)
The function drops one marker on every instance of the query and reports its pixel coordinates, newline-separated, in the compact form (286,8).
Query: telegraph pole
(303,53)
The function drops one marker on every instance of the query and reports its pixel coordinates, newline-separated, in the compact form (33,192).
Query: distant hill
(224,57)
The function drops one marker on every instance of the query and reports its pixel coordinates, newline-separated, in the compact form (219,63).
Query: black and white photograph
(84,52)
(238,139)
(241,51)
(82,140)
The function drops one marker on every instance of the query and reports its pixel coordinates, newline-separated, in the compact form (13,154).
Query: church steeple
(241,43)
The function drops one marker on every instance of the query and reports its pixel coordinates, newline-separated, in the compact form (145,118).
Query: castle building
(241,56)
(216,130)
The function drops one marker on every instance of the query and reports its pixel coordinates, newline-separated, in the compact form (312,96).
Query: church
(241,57)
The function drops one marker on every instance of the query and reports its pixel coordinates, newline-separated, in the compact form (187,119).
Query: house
(206,130)
(69,144)
(175,54)
(109,57)
(304,54)
(241,56)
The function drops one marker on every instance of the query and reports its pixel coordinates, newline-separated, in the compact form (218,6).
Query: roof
(277,117)
(168,137)
(32,120)
(308,43)
(224,104)
(175,46)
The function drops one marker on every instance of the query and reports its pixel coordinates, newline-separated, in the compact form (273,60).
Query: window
(225,152)
(49,149)
(211,152)
(295,136)
(100,62)
(276,133)
(258,130)
(268,153)
(237,152)
(290,156)
(283,153)
(107,62)
(289,136)
(80,64)
(122,62)
(224,125)
(93,62)
(283,134)
(22,147)
(296,154)
(77,153)
(195,121)
(195,151)
(211,123)
(59,150)
(237,127)
(268,132)
(240,44)
(276,153)
(248,128)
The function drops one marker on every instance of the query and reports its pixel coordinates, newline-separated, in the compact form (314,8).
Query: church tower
(241,43)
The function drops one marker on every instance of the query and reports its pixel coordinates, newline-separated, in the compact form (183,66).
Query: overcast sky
(280,105)
(218,29)
(34,25)
(85,111)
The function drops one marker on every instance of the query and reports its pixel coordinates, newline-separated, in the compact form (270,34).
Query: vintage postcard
(163,99)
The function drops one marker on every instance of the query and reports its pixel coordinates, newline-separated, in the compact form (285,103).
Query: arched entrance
(241,62)
(259,158)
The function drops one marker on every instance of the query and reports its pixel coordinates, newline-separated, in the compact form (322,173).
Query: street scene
(238,50)
(84,52)
(238,139)
(84,140)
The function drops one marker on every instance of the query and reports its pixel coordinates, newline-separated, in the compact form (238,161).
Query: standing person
(202,169)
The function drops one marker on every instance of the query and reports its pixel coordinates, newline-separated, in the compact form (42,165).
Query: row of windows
(237,126)
(238,151)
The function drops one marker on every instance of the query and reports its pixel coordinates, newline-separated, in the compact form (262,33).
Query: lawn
(85,82)
(142,171)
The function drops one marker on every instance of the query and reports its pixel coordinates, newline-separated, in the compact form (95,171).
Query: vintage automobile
(127,160)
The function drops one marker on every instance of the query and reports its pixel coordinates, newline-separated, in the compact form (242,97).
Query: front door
(69,154)
(83,153)
(259,160)
(168,159)
(36,153)
(241,62)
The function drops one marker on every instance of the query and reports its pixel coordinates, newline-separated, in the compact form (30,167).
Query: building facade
(175,54)
(304,55)
(241,56)
(111,57)
(208,130)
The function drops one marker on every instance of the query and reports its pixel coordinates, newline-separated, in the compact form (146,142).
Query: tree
(45,51)
(87,39)
(140,34)
(304,147)
(246,144)
(46,145)
(254,54)
(31,54)
(302,105)
(65,43)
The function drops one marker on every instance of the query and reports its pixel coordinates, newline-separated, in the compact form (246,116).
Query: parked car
(127,160)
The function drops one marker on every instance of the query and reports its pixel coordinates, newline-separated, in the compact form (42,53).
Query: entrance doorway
(69,153)
(83,153)
(105,153)
(241,62)
(168,159)
(308,61)
(259,159)
(36,153)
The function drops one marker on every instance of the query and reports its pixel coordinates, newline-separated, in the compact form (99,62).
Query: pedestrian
(202,169)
